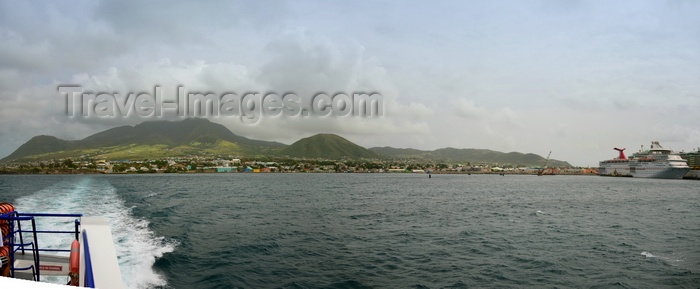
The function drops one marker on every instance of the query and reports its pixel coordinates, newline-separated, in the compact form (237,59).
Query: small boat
(89,260)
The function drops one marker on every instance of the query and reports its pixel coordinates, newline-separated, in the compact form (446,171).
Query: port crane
(541,171)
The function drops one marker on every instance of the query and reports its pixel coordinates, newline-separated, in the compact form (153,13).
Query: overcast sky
(574,77)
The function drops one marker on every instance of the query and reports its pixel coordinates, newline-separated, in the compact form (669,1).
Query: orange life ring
(74,263)
(6,208)
(5,229)
(5,255)
(4,232)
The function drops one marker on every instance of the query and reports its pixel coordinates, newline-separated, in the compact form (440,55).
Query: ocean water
(385,230)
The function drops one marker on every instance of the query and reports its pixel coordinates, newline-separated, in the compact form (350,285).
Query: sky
(576,78)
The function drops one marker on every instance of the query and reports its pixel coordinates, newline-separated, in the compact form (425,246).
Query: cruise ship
(656,162)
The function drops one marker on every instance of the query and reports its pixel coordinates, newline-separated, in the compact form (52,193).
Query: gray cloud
(506,75)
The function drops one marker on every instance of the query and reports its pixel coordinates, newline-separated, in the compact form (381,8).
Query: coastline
(81,172)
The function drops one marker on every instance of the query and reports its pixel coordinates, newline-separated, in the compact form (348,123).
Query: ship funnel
(622,153)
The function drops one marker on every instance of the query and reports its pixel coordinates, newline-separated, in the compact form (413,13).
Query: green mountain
(171,133)
(200,137)
(328,146)
(469,156)
(192,136)
(40,145)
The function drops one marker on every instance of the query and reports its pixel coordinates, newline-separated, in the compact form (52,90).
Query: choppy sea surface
(385,230)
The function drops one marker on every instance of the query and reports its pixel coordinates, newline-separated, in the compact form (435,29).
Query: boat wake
(137,246)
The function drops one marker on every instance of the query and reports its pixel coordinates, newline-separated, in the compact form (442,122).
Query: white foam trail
(671,261)
(138,248)
(136,245)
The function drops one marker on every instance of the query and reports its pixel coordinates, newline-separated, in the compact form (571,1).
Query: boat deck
(49,265)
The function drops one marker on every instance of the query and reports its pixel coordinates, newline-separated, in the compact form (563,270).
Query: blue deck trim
(89,278)
(49,215)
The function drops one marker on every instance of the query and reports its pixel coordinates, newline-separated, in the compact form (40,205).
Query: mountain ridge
(199,136)
(199,131)
(469,155)
(326,145)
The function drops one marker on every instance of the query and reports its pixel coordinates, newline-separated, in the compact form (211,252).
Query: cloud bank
(574,77)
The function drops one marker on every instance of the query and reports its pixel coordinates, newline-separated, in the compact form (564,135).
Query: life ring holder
(5,208)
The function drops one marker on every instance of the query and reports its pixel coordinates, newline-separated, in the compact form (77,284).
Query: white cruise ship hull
(658,171)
